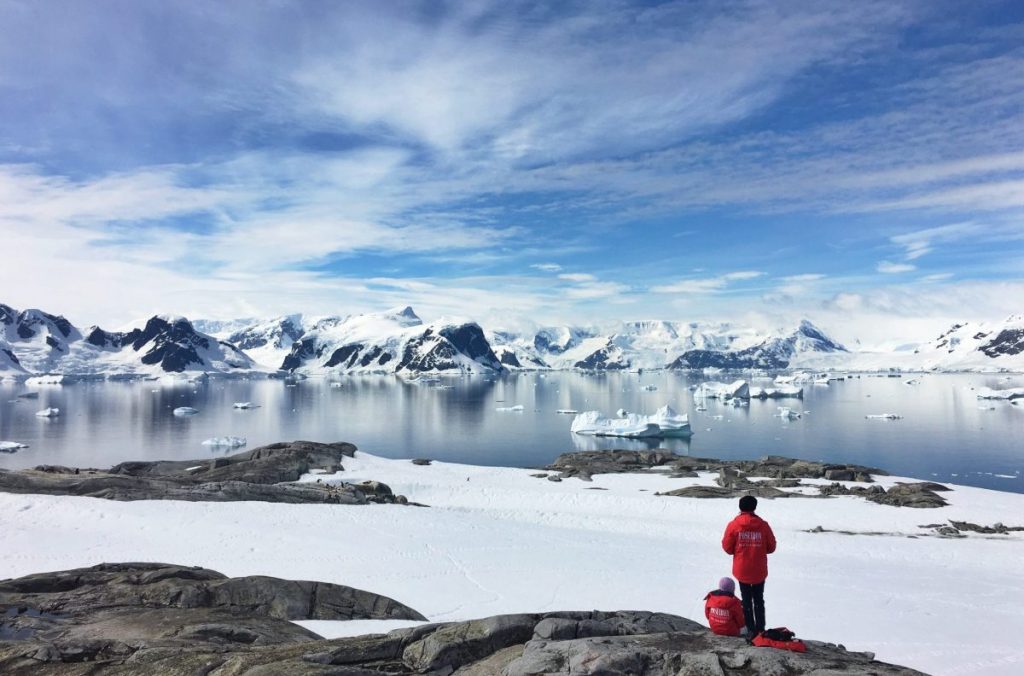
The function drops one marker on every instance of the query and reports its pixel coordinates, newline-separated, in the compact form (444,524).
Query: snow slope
(495,540)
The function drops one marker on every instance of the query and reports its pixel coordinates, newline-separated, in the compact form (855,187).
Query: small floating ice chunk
(48,413)
(665,422)
(567,411)
(185,410)
(226,442)
(649,388)
(11,446)
(29,395)
(622,413)
(786,413)
(336,386)
(1005,476)
(518,408)
(245,405)
(782,392)
(883,416)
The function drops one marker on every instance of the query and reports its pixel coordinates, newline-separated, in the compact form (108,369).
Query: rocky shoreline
(265,474)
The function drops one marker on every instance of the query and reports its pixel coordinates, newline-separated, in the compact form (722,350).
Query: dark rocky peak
(279,332)
(94,335)
(469,339)
(407,313)
(31,323)
(172,341)
(7,314)
(819,341)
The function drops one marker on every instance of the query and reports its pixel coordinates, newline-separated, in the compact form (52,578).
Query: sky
(519,163)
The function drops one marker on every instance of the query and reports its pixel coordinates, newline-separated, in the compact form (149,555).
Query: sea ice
(11,446)
(48,413)
(185,410)
(226,442)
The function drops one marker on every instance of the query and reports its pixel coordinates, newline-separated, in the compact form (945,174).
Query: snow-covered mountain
(40,342)
(659,344)
(396,341)
(978,345)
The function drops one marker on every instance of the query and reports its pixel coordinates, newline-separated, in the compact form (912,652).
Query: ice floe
(245,405)
(665,422)
(185,410)
(518,408)
(226,442)
(883,416)
(48,413)
(11,446)
(786,413)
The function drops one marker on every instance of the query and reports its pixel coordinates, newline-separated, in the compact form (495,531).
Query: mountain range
(398,341)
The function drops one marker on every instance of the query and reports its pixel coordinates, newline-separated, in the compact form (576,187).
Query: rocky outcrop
(582,464)
(922,495)
(143,618)
(265,474)
(129,619)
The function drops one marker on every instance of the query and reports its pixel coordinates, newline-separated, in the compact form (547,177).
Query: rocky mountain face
(37,339)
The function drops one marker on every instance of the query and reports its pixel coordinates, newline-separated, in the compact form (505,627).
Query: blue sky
(755,161)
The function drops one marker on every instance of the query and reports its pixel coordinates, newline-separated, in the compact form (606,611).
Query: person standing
(749,540)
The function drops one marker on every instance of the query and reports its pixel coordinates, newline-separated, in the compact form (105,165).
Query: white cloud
(547,267)
(890,268)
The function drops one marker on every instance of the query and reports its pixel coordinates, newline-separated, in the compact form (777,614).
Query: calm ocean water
(945,434)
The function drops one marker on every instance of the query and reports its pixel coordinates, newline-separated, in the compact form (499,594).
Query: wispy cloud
(890,268)
(707,284)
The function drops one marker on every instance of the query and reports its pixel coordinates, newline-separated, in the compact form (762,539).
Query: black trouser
(753,606)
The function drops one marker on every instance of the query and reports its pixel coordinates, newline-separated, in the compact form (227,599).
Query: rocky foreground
(147,618)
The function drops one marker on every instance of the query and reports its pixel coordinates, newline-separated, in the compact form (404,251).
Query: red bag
(779,637)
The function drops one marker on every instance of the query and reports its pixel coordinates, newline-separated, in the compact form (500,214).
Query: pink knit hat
(727,585)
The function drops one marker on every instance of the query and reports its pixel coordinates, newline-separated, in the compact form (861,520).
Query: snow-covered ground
(496,540)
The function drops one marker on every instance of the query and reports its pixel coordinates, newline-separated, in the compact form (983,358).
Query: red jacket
(750,540)
(724,612)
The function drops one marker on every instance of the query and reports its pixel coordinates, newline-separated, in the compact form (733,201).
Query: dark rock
(421,461)
(994,529)
(917,495)
(264,474)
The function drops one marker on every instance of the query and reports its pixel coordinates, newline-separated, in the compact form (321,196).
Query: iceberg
(1008,394)
(737,389)
(226,442)
(48,413)
(11,446)
(782,392)
(185,410)
(665,422)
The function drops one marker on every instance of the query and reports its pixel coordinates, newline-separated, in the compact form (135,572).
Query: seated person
(723,610)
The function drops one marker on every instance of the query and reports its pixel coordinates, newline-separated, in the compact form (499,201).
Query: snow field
(496,540)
